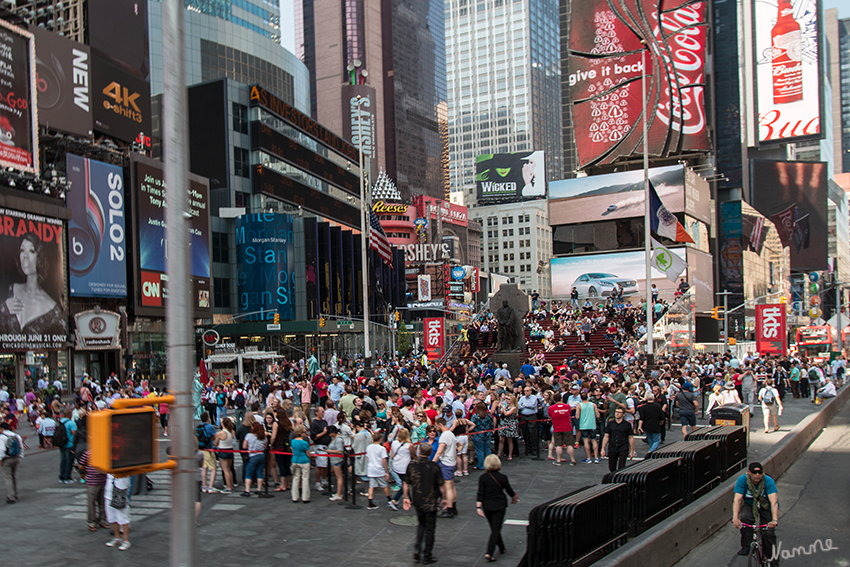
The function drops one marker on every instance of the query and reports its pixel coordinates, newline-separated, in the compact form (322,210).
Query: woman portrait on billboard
(28,307)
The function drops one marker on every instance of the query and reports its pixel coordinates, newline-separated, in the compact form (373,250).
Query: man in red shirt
(563,430)
(431,412)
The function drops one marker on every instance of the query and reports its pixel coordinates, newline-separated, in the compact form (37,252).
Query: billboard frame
(32,100)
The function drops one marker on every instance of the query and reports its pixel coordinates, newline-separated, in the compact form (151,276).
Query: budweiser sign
(771,333)
(607,62)
(434,343)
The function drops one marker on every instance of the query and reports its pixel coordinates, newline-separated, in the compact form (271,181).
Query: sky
(842,5)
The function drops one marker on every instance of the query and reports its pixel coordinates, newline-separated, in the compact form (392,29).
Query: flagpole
(646,220)
(364,250)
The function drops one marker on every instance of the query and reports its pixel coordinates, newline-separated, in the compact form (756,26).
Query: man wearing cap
(756,496)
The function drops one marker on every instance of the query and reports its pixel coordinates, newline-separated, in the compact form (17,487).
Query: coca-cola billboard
(787,70)
(434,342)
(606,65)
(771,332)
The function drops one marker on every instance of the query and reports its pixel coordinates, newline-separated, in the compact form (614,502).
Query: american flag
(379,241)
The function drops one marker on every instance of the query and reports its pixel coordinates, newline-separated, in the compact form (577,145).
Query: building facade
(503,69)
(517,242)
(844,88)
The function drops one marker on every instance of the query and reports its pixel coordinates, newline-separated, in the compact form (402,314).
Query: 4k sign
(771,332)
(434,337)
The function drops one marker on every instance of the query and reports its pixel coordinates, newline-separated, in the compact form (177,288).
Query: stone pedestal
(514,360)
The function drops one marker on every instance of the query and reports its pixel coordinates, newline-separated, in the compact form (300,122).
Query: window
(510,232)
(221,292)
(240,162)
(220,250)
(240,118)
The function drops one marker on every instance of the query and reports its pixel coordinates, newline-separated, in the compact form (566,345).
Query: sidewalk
(236,529)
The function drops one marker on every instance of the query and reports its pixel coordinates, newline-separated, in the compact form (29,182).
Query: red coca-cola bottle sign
(787,56)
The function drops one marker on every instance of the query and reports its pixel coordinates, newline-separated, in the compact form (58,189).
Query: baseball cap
(756,468)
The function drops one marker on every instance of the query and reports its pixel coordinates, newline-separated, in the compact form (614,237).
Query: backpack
(813,375)
(239,400)
(767,398)
(13,447)
(60,435)
(204,439)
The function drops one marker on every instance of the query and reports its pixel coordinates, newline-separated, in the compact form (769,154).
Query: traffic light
(124,441)
(715,313)
(396,315)
(277,318)
(732,341)
(322,321)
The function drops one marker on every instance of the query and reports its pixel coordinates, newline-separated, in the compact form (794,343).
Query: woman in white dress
(118,517)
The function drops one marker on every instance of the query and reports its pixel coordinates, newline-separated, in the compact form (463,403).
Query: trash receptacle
(732,414)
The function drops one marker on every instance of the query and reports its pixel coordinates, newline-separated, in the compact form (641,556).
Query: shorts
(688,417)
(464,444)
(377,482)
(773,409)
(321,460)
(588,434)
(256,467)
(562,438)
(222,456)
(163,420)
(448,472)
(209,460)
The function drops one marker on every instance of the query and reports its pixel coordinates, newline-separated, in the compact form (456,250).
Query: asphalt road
(814,527)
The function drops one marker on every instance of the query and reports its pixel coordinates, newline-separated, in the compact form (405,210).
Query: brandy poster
(787,64)
(606,66)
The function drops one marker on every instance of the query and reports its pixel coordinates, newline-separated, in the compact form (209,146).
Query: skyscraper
(394,54)
(503,70)
(844,86)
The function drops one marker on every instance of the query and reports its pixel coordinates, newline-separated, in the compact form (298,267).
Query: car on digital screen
(598,284)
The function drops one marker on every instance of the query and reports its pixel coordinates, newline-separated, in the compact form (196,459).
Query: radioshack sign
(771,330)
(434,337)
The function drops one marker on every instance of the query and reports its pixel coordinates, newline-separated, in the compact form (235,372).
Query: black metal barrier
(656,490)
(568,529)
(733,446)
(701,461)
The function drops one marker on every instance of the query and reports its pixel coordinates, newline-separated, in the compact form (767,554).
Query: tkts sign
(434,337)
(605,77)
(771,332)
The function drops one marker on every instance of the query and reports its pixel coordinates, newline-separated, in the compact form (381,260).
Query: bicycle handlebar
(751,526)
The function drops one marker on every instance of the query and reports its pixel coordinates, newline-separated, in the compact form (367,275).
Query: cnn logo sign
(151,289)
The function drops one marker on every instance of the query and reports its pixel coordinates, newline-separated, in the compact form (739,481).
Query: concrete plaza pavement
(48,526)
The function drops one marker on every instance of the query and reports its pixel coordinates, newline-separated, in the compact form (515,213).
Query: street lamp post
(364,249)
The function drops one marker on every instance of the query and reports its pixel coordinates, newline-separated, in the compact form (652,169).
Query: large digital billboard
(265,253)
(18,122)
(793,195)
(613,196)
(519,176)
(787,69)
(359,122)
(605,78)
(597,275)
(151,244)
(64,83)
(33,312)
(97,235)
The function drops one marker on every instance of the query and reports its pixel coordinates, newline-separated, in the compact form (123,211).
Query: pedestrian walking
(11,453)
(422,489)
(116,496)
(95,487)
(491,503)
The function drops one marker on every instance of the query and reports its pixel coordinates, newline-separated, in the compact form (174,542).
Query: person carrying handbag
(491,502)
(116,497)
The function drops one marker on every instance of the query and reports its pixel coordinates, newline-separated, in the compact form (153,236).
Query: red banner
(474,283)
(605,78)
(771,330)
(434,340)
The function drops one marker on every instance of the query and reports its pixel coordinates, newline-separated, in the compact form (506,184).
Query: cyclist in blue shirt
(756,503)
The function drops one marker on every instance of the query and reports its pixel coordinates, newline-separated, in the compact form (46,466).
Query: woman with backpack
(771,405)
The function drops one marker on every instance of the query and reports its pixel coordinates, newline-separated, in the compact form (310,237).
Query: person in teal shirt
(300,465)
(586,414)
(66,460)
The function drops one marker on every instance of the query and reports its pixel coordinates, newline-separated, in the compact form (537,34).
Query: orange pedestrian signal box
(124,441)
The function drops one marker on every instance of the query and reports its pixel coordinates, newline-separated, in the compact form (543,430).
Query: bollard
(538,456)
(344,476)
(265,493)
(353,505)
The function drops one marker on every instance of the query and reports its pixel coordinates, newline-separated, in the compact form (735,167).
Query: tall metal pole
(840,317)
(647,232)
(364,249)
(726,318)
(690,326)
(178,314)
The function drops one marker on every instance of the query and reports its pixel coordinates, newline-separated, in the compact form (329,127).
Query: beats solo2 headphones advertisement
(96,232)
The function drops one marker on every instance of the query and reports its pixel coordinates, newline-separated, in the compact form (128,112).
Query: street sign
(345,323)
(273,327)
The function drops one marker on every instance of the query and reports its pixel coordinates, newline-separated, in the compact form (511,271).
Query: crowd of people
(291,429)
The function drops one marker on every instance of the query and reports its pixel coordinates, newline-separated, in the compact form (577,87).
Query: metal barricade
(733,446)
(656,490)
(701,461)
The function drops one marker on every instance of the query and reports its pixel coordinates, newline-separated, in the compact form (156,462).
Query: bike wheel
(754,557)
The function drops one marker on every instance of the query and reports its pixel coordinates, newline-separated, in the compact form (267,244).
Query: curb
(670,540)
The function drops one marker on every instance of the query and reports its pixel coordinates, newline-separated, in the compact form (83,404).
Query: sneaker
(445,513)
(744,551)
(334,498)
(465,473)
(557,463)
(372,506)
(125,545)
(595,461)
(246,494)
(213,490)
(572,463)
(226,491)
(113,542)
(392,505)
(318,487)
(586,461)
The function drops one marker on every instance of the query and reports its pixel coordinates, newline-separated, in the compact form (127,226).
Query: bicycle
(756,556)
